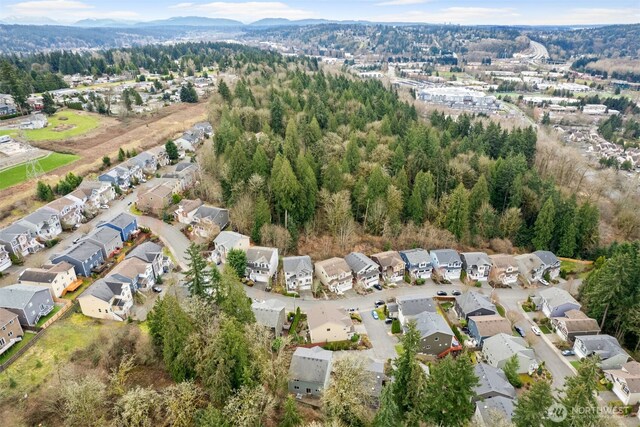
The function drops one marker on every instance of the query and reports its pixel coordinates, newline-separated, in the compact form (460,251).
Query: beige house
(227,241)
(504,269)
(335,274)
(61,278)
(10,330)
(328,324)
(157,198)
(107,299)
(573,324)
(391,266)
(626,382)
(186,210)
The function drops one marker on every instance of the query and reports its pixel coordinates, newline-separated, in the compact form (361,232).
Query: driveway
(380,335)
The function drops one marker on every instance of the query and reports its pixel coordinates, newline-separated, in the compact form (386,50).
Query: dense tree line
(325,149)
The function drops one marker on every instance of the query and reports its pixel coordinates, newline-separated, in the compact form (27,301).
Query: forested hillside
(318,153)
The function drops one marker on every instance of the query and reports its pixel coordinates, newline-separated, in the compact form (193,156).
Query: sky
(500,12)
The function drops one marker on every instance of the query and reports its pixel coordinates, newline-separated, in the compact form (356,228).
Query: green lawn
(17,174)
(73,295)
(381,315)
(500,309)
(28,336)
(76,123)
(545,329)
(581,270)
(42,321)
(54,349)
(576,364)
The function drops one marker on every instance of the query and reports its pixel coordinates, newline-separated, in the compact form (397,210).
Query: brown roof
(491,325)
(60,267)
(6,316)
(189,205)
(334,266)
(630,372)
(388,259)
(503,261)
(577,321)
(130,267)
(323,313)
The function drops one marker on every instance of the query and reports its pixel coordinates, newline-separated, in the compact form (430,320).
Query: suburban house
(530,267)
(417,263)
(227,241)
(186,209)
(186,142)
(85,256)
(411,306)
(626,382)
(110,300)
(335,274)
(262,263)
(492,382)
(391,266)
(498,349)
(124,223)
(555,302)
(504,270)
(146,161)
(68,210)
(158,197)
(94,194)
(328,324)
(483,327)
(447,263)
(487,410)
(10,330)
(612,355)
(477,265)
(205,128)
(436,336)
(117,176)
(270,313)
(209,221)
(151,253)
(5,259)
(365,271)
(309,371)
(107,239)
(135,171)
(43,224)
(574,323)
(298,272)
(160,155)
(18,240)
(29,302)
(474,304)
(550,263)
(186,174)
(60,278)
(136,272)
(378,377)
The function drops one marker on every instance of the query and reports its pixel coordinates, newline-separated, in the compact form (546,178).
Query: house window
(296,387)
(2,342)
(308,391)
(10,333)
(4,328)
(436,339)
(99,310)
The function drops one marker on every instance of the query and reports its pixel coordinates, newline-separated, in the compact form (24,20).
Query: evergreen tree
(409,378)
(224,91)
(237,261)
(388,414)
(352,156)
(532,406)
(188,94)
(511,371)
(308,190)
(197,282)
(121,155)
(277,115)
(479,194)
(291,142)
(285,187)
(544,226)
(49,105)
(172,150)
(457,218)
(261,216)
(580,395)
(291,416)
(260,162)
(234,301)
(106,161)
(44,192)
(332,178)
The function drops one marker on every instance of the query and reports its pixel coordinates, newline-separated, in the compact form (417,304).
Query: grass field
(59,128)
(17,174)
(55,348)
(14,348)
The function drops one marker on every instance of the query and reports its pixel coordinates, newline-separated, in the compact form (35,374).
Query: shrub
(12,383)
(396,327)
(463,275)
(478,284)
(355,338)
(420,282)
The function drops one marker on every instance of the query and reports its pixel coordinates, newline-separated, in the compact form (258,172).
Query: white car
(536,331)
(104,206)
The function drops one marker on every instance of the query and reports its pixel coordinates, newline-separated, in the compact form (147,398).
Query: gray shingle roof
(41,215)
(311,364)
(492,379)
(507,345)
(268,312)
(82,251)
(412,305)
(417,256)
(429,323)
(298,265)
(228,239)
(9,233)
(37,275)
(359,262)
(557,296)
(18,296)
(471,301)
(103,290)
(475,258)
(122,220)
(103,235)
(259,254)
(604,345)
(147,251)
(497,404)
(446,256)
(548,258)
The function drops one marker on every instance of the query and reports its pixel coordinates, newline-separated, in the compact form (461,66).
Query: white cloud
(456,15)
(44,6)
(599,16)
(246,11)
(401,2)
(66,10)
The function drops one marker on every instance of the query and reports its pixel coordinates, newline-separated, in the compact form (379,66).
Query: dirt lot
(138,133)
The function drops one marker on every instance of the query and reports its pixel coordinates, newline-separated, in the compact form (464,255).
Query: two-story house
(329,324)
(555,302)
(391,266)
(209,221)
(160,155)
(69,211)
(606,347)
(157,197)
(136,272)
(262,263)
(504,269)
(18,241)
(147,162)
(477,265)
(85,257)
(550,263)
(151,253)
(298,273)
(574,323)
(10,330)
(43,224)
(530,267)
(61,278)
(365,272)
(186,210)
(29,302)
(106,299)
(227,241)
(335,274)
(309,371)
(417,263)
(436,336)
(124,223)
(186,173)
(447,263)
(107,239)
(5,259)
(117,176)
(270,313)
(474,304)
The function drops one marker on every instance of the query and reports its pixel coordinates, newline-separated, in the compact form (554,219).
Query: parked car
(465,330)
(378,303)
(157,289)
(536,330)
(441,293)
(352,310)
(375,314)
(520,331)
(456,293)
(568,352)
(76,240)
(129,204)
(378,286)
(391,299)
(104,206)
(543,281)
(388,320)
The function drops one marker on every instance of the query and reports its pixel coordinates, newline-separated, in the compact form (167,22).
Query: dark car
(465,330)
(378,303)
(456,293)
(520,331)
(388,320)
(441,293)
(157,289)
(378,286)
